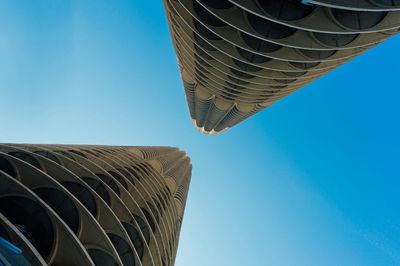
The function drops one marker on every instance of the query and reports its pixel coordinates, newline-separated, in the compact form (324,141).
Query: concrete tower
(238,57)
(91,205)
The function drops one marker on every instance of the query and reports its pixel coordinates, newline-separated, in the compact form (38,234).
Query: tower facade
(91,205)
(237,57)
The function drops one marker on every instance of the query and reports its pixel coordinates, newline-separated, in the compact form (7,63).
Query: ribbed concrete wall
(93,205)
(237,57)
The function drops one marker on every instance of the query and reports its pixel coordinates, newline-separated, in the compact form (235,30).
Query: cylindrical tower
(238,57)
(91,205)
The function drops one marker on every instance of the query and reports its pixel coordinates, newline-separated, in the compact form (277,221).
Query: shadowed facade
(92,205)
(238,57)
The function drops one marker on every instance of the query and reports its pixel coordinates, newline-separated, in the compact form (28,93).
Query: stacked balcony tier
(93,205)
(238,57)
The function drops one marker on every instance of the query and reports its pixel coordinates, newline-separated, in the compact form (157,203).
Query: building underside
(238,57)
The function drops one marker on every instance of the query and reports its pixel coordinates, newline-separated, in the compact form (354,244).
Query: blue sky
(312,180)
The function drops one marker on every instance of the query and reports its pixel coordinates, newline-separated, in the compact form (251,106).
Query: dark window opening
(100,257)
(26,157)
(98,188)
(62,205)
(83,195)
(110,182)
(135,238)
(32,221)
(123,249)
(7,167)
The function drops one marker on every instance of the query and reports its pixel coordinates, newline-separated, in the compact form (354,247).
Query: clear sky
(312,180)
